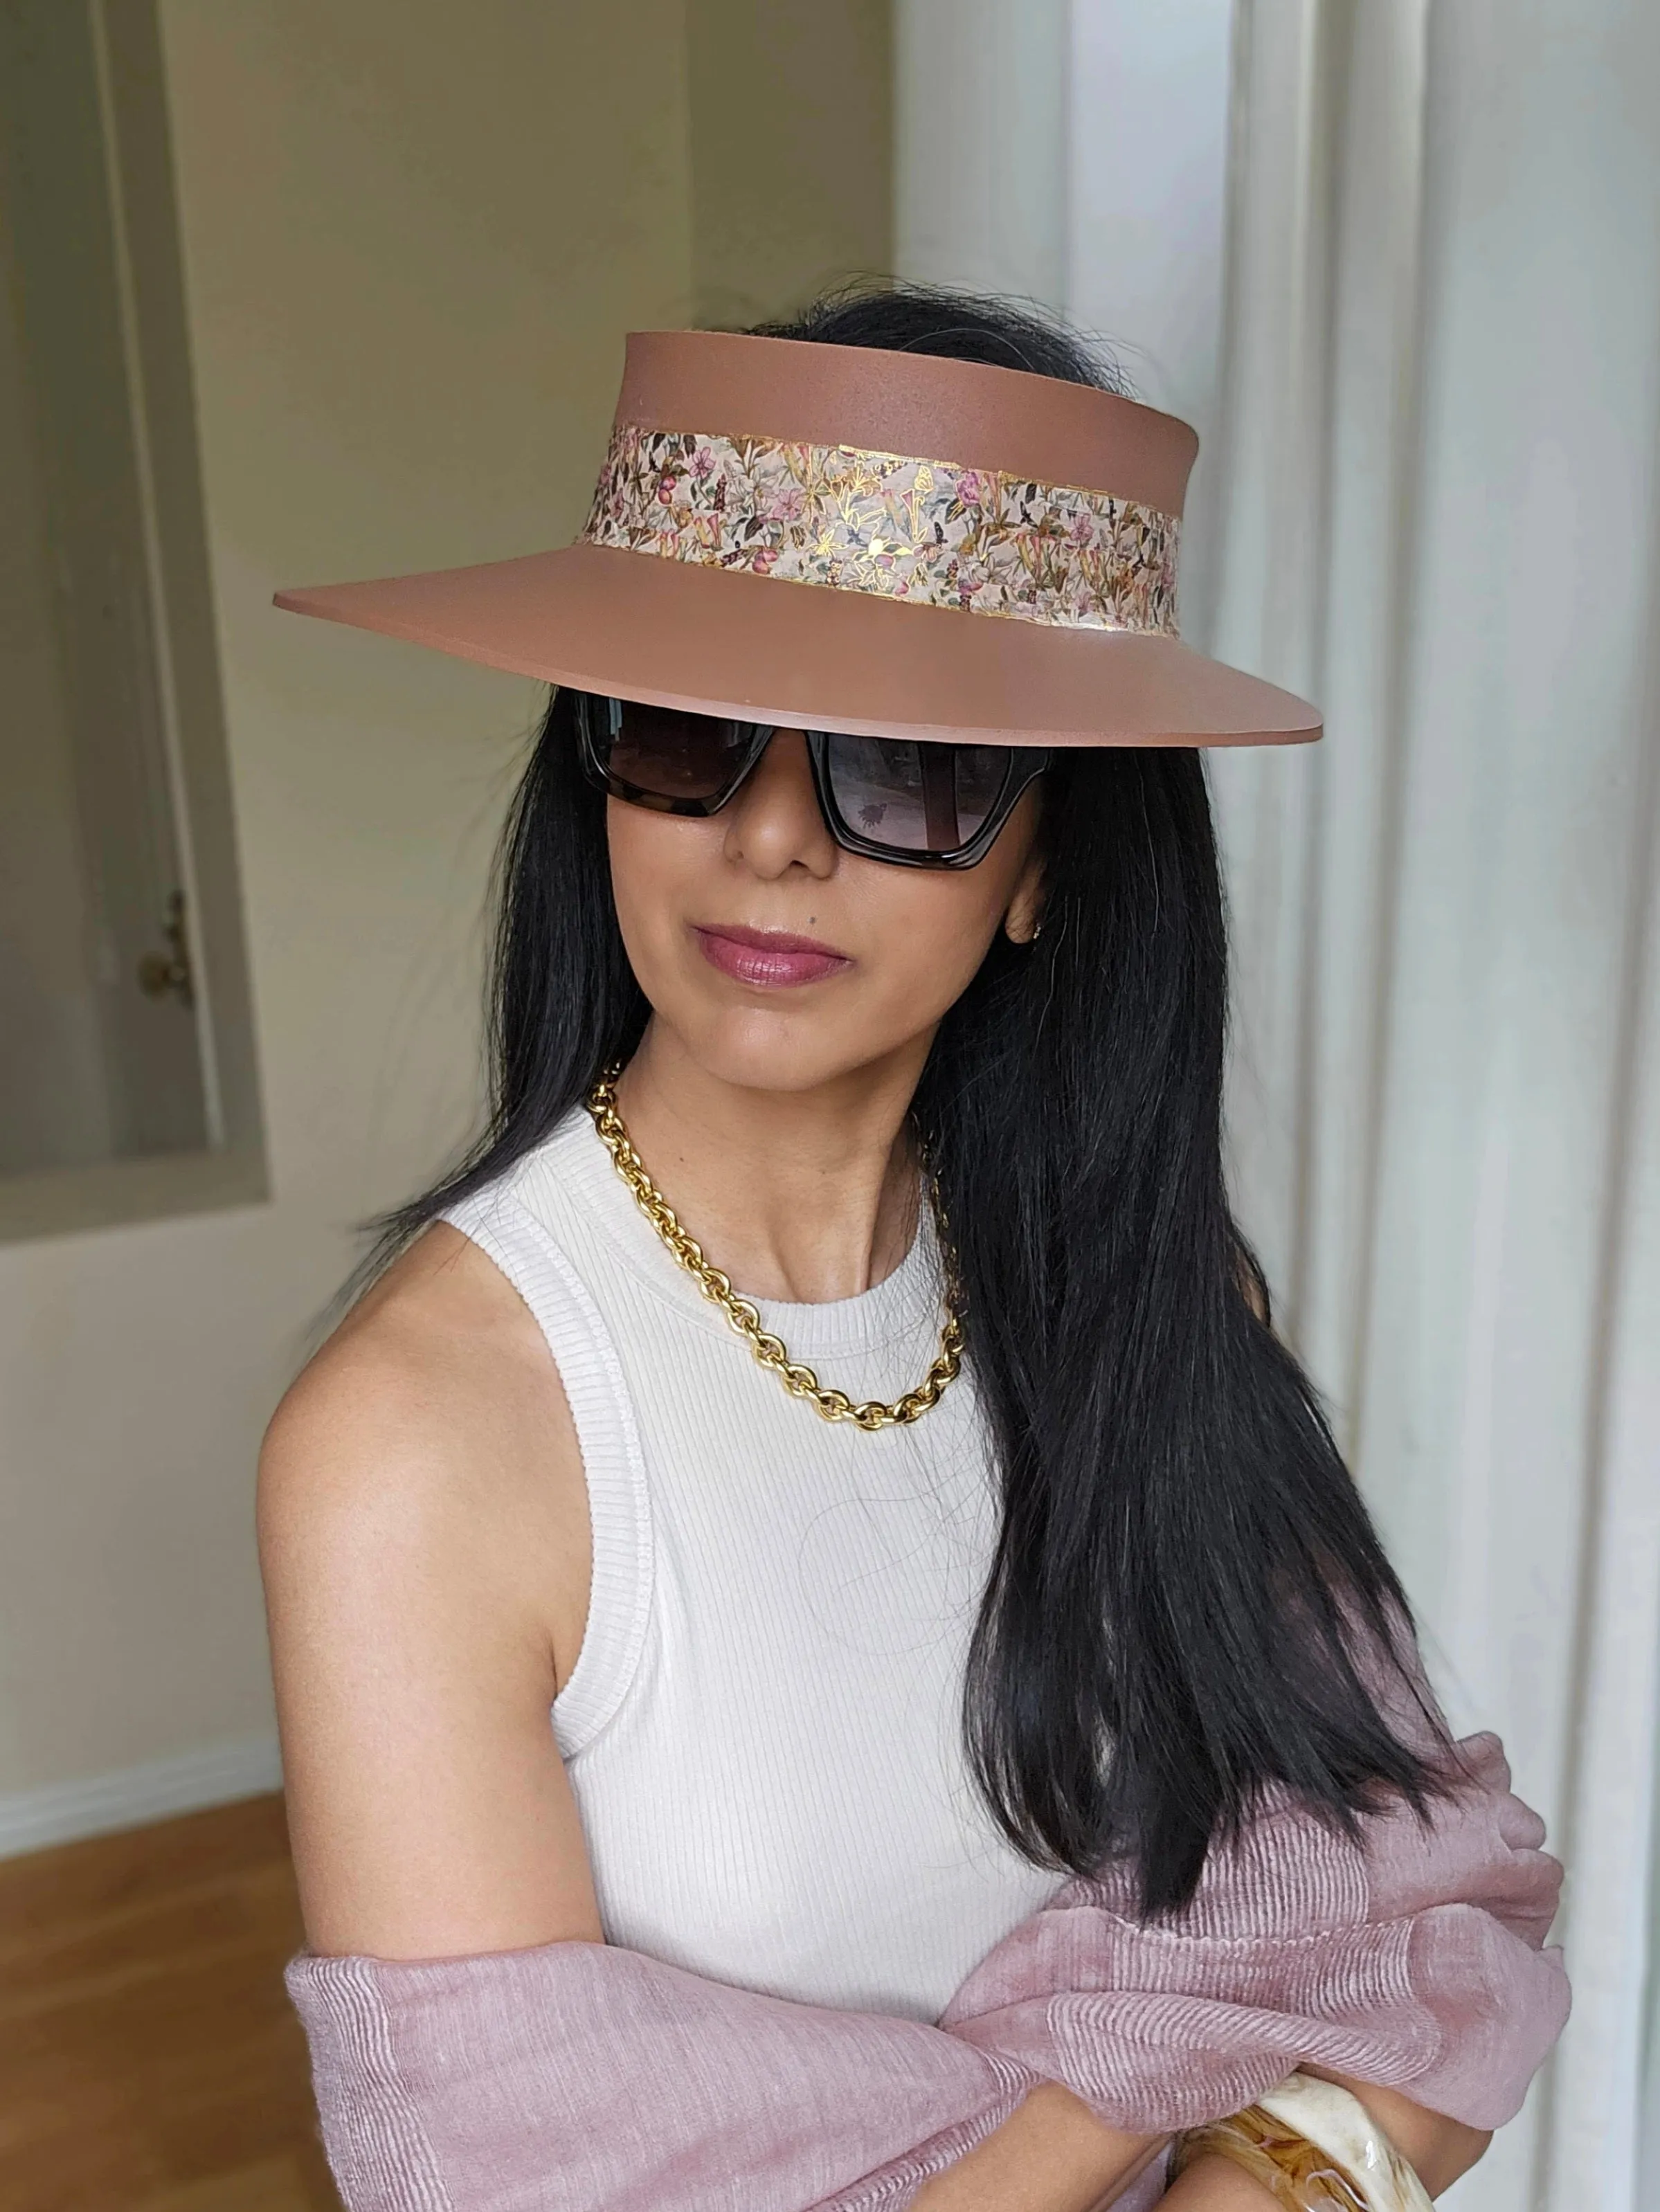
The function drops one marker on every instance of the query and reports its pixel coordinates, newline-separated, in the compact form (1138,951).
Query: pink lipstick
(771,958)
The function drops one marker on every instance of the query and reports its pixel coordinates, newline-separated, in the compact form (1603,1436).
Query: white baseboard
(65,1812)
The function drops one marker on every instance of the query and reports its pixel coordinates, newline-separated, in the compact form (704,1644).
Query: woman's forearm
(1440,2151)
(1437,2149)
(1052,2154)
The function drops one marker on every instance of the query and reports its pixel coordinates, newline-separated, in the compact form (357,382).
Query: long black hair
(1187,1596)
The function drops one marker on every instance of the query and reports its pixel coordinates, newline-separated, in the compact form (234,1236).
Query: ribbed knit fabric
(794,1875)
(582,2077)
(763,1727)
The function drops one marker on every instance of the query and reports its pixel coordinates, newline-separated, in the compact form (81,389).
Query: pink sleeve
(581,2077)
(1413,1959)
(588,2078)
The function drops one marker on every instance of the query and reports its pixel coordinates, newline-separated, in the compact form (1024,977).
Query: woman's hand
(1051,2155)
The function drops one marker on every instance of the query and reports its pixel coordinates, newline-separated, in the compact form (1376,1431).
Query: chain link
(771,1351)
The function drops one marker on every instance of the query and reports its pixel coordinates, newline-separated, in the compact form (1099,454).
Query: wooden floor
(149,2061)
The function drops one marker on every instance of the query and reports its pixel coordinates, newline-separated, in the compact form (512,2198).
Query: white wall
(1075,152)
(1148,91)
(415,235)
(980,117)
(411,251)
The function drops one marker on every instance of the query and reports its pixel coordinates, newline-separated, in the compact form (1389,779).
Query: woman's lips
(770,957)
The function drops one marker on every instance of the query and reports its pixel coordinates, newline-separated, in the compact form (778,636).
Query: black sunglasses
(921,805)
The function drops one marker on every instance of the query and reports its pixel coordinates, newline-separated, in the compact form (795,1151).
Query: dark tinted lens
(917,798)
(666,751)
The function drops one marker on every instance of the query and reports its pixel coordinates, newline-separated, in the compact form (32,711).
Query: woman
(870,935)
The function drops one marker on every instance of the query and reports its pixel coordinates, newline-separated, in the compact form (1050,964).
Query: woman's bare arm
(423,1533)
(1051,2155)
(1054,2155)
(1439,2150)
(424,1538)
(423,1525)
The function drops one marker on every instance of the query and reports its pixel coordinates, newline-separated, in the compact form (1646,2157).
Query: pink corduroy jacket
(582,2077)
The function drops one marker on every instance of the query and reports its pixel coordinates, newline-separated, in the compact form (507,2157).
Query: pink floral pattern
(926,531)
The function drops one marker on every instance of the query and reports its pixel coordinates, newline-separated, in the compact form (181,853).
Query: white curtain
(1432,417)
(1441,516)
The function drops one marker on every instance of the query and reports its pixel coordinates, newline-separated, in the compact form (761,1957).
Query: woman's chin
(772,1048)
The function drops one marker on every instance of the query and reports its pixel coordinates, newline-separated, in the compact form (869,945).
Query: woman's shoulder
(430,1433)
(423,1540)
(441,1339)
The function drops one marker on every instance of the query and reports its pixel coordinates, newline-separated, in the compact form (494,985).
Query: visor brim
(806,656)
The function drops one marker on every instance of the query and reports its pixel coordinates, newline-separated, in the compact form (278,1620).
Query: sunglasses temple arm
(940,798)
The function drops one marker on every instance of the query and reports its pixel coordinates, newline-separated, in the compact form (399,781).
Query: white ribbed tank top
(761,1729)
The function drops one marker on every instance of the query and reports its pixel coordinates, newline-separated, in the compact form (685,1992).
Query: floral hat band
(933,532)
(738,467)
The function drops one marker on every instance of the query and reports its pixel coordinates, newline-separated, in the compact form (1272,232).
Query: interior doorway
(122,991)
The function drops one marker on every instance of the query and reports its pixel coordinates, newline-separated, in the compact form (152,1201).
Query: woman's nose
(772,822)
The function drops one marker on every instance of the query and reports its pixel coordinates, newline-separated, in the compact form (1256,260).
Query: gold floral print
(930,532)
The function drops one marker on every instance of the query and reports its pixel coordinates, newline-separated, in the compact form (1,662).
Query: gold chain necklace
(771,1351)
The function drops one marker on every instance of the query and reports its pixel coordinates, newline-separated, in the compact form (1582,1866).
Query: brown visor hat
(826,536)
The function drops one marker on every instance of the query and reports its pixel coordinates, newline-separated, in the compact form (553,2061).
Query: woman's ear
(1024,917)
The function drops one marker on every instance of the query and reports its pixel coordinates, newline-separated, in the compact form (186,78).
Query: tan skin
(423,1519)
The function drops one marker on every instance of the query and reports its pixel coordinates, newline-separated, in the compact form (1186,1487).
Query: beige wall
(414,235)
(791,151)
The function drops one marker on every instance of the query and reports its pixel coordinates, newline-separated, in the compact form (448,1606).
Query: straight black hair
(1187,1606)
